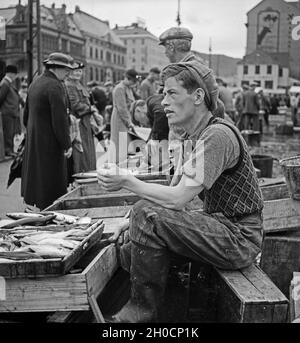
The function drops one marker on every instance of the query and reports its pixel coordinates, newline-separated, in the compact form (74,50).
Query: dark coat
(9,99)
(250,102)
(44,173)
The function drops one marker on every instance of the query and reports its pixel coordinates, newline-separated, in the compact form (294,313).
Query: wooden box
(70,292)
(46,267)
(240,296)
(281,257)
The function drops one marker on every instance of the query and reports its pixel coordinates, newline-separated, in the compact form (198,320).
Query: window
(269,69)
(102,75)
(133,59)
(133,50)
(258,82)
(91,52)
(143,67)
(269,84)
(125,41)
(119,59)
(143,41)
(97,74)
(280,72)
(101,54)
(245,71)
(76,49)
(123,60)
(257,69)
(96,52)
(115,59)
(91,73)
(108,56)
(133,41)
(64,45)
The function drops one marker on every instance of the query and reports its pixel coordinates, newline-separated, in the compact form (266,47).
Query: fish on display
(65,218)
(21,215)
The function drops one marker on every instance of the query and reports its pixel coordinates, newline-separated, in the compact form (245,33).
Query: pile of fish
(42,235)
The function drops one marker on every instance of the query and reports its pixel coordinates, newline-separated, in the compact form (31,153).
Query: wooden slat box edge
(63,293)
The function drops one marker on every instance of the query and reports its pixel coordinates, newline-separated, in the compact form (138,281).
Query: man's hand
(121,233)
(111,177)
(68,153)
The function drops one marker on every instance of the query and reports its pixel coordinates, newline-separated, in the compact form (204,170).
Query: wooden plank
(100,270)
(263,284)
(99,212)
(103,200)
(96,310)
(281,214)
(61,293)
(275,192)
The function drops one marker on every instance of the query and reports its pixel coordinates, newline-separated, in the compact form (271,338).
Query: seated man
(227,234)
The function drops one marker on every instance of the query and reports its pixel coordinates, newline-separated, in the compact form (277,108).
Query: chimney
(53,5)
(63,6)
(77,8)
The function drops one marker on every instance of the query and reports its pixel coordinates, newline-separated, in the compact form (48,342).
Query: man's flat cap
(175,33)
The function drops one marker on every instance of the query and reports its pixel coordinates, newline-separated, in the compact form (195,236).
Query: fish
(59,243)
(65,218)
(5,222)
(19,255)
(28,220)
(21,215)
(48,251)
(84,221)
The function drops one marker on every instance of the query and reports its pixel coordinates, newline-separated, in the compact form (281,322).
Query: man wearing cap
(9,107)
(121,121)
(251,108)
(44,172)
(148,86)
(217,167)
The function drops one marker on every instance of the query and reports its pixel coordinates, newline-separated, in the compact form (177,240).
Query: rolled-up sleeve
(216,151)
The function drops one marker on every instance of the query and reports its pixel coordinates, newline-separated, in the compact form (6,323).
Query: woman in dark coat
(44,172)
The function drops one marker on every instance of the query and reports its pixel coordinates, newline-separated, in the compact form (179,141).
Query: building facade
(269,29)
(143,51)
(261,68)
(58,33)
(105,52)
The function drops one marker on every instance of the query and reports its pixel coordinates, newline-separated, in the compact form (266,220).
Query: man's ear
(199,96)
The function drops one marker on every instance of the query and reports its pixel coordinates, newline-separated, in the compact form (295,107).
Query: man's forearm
(165,196)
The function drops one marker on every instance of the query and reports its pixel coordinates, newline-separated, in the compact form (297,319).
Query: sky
(221,20)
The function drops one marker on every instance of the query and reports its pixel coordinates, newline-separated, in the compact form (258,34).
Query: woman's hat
(78,65)
(59,59)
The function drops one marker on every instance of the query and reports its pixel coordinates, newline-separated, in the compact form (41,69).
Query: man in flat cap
(9,107)
(218,168)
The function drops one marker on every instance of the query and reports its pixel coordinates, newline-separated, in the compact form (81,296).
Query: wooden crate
(71,292)
(281,257)
(281,215)
(275,192)
(241,296)
(50,267)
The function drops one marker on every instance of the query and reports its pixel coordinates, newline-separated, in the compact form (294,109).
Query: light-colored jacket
(121,119)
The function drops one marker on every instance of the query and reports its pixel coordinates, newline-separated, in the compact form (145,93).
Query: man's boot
(148,274)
